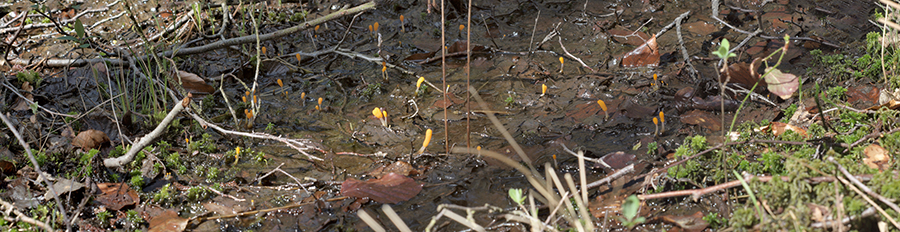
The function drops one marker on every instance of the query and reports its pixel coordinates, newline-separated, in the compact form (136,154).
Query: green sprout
(723,52)
(629,211)
(517,196)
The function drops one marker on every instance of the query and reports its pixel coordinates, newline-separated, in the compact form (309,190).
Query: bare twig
(866,189)
(573,56)
(301,145)
(10,208)
(144,141)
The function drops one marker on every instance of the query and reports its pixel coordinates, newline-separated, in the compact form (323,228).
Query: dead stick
(144,141)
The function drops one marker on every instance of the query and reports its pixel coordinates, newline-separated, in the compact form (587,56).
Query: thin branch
(37,168)
(144,141)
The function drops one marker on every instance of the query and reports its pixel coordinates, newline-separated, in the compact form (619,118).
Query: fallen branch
(301,145)
(10,208)
(144,141)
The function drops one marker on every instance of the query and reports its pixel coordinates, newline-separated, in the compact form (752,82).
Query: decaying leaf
(63,186)
(117,195)
(782,84)
(702,118)
(693,222)
(644,55)
(89,139)
(779,128)
(168,221)
(194,84)
(742,74)
(877,157)
(618,160)
(399,167)
(391,188)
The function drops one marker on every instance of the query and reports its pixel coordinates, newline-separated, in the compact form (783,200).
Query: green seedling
(630,209)
(517,196)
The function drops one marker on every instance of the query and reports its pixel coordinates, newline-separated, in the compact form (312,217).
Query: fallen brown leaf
(194,83)
(90,139)
(168,221)
(392,188)
(115,196)
(877,157)
(644,55)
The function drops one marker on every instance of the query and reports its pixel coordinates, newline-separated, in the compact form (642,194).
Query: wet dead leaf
(117,195)
(399,167)
(168,221)
(90,139)
(782,84)
(63,186)
(702,118)
(645,55)
(391,188)
(460,46)
(420,56)
(877,157)
(701,27)
(692,223)
(618,160)
(225,206)
(194,83)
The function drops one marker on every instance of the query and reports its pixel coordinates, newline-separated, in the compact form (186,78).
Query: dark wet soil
(508,73)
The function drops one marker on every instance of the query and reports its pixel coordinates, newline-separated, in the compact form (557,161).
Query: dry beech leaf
(117,195)
(779,128)
(391,188)
(644,55)
(168,221)
(877,157)
(194,84)
(90,139)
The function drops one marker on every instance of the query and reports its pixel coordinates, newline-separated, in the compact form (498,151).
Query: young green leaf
(723,50)
(79,29)
(630,207)
(516,195)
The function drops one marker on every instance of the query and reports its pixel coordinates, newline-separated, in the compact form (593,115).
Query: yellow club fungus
(543,89)
(662,120)
(603,107)
(656,123)
(562,63)
(419,83)
(427,140)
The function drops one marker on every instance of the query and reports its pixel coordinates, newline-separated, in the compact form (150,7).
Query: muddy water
(509,78)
